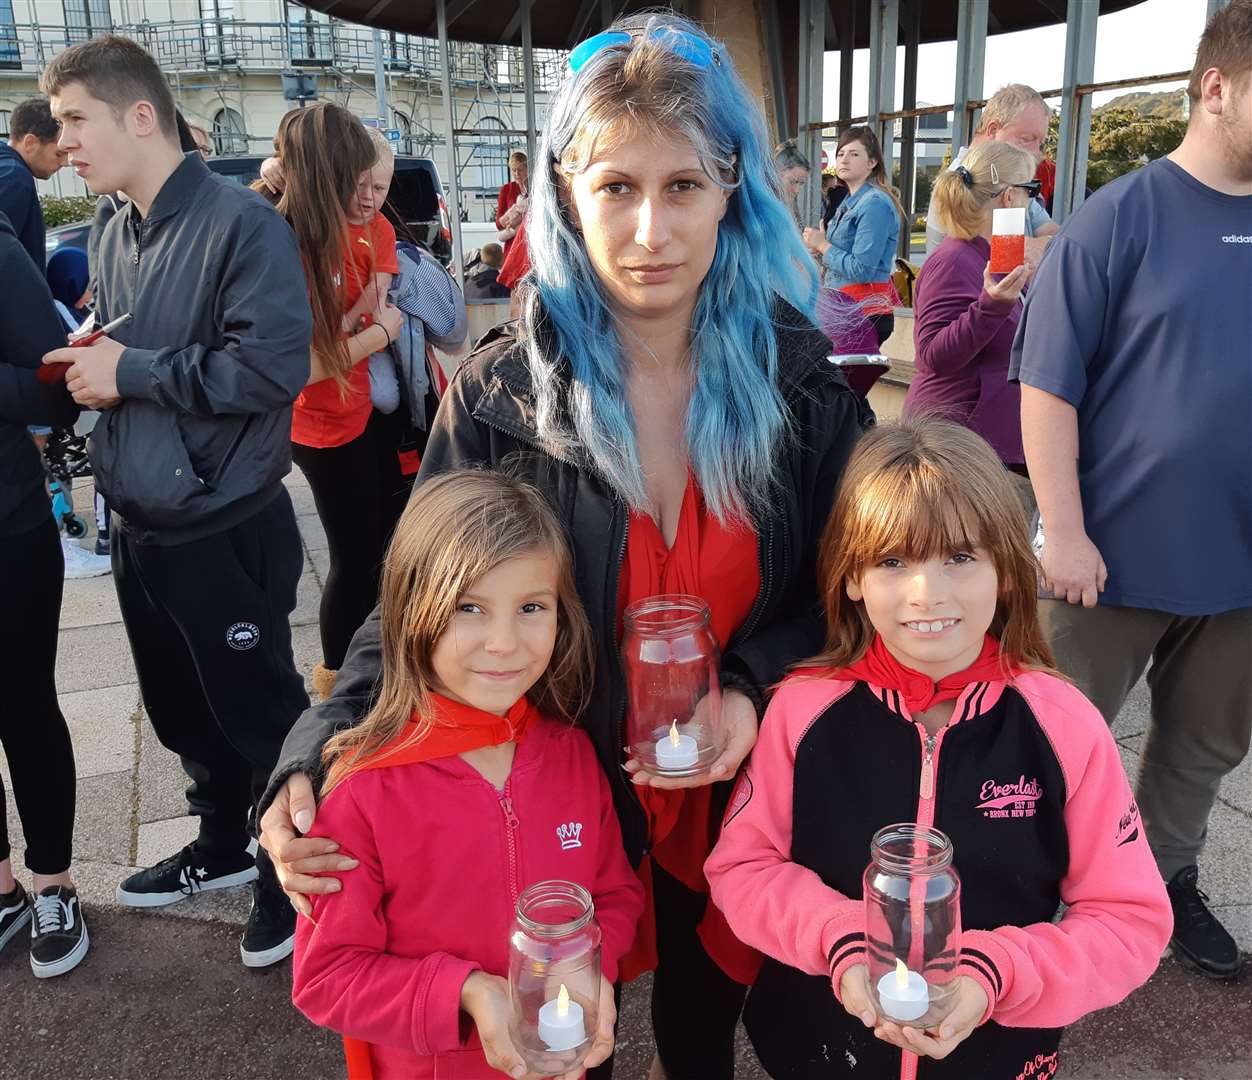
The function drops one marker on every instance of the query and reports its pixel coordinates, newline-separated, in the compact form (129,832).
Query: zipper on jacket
(511,824)
(930,766)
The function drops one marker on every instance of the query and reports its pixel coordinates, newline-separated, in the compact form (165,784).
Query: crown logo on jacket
(569,835)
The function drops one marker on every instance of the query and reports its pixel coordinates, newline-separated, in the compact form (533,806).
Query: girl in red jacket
(935,697)
(461,789)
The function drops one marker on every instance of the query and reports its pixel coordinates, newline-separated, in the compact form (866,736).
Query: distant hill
(1167,105)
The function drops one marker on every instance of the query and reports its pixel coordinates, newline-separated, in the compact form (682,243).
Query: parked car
(416,205)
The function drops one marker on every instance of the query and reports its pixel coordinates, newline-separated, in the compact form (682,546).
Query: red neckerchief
(454,729)
(920,691)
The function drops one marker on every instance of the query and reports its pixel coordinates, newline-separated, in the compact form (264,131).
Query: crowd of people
(906,612)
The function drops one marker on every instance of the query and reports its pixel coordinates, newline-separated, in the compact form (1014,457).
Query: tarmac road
(158,997)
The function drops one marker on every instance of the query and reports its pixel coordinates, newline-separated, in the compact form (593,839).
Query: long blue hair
(737,417)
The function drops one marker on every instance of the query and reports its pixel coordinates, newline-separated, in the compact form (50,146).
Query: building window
(217,9)
(229,134)
(4,124)
(217,34)
(405,126)
(309,35)
(10,54)
(86,18)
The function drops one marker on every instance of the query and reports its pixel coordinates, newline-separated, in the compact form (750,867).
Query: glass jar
(554,976)
(912,924)
(674,711)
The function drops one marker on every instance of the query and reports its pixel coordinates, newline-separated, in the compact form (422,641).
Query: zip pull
(510,818)
(928,768)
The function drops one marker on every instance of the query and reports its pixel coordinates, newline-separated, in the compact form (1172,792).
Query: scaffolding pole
(380,82)
(1075,132)
(971,52)
(884,36)
(908,125)
(812,20)
(454,187)
(528,85)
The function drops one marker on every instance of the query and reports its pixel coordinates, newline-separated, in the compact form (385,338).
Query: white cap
(1010,222)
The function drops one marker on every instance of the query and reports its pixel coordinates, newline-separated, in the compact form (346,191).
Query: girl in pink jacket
(935,702)
(465,784)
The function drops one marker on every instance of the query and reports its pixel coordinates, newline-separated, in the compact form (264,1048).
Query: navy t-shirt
(1140,316)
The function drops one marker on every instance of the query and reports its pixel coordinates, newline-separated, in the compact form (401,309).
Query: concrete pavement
(164,992)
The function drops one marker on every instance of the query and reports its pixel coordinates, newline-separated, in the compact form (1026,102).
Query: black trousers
(208,623)
(695,1005)
(884,326)
(32,730)
(355,490)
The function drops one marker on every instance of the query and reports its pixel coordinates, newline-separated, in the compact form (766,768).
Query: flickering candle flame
(673,733)
(562,1002)
(902,975)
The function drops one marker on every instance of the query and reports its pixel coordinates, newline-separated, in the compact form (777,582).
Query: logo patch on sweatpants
(242,636)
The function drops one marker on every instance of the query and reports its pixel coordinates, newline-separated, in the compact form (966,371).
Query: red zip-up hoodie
(444,856)
(1027,782)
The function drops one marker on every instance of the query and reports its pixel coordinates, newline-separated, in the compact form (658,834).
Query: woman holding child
(668,393)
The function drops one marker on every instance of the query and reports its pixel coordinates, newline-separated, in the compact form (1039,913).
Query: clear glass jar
(554,976)
(674,715)
(912,924)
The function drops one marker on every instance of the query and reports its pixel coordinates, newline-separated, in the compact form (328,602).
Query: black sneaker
(1200,941)
(102,543)
(270,934)
(58,934)
(184,874)
(15,909)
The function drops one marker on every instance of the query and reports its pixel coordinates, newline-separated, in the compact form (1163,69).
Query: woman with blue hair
(667,389)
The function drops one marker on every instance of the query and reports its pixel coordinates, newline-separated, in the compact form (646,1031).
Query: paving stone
(102,728)
(162,782)
(159,839)
(93,657)
(103,818)
(301,497)
(90,602)
(321,563)
(312,532)
(308,597)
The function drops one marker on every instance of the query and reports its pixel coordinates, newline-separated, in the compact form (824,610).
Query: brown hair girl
(918,489)
(324,149)
(457,527)
(873,150)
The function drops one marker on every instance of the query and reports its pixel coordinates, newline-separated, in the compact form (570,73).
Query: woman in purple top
(964,319)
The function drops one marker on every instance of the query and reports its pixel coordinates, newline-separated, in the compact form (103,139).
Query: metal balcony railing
(226,44)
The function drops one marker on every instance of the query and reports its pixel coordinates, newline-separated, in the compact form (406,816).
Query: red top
(516,263)
(324,416)
(509,194)
(719,564)
(444,856)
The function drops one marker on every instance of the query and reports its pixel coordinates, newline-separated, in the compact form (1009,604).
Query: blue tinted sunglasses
(693,49)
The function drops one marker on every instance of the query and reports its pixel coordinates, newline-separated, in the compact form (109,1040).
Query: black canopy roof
(561,24)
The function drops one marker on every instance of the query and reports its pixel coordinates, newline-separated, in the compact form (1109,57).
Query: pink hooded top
(444,857)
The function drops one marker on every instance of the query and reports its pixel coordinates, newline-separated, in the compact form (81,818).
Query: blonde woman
(965,318)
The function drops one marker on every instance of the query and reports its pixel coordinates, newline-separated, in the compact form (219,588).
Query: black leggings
(354,488)
(884,326)
(32,730)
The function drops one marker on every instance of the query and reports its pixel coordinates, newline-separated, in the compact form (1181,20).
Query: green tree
(68,210)
(1121,141)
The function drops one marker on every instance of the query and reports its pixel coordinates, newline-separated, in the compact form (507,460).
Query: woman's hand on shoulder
(300,861)
(739,721)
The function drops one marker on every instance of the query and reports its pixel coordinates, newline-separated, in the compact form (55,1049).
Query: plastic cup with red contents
(1008,239)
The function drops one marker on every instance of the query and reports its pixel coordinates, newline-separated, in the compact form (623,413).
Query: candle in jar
(1008,239)
(561,1022)
(903,993)
(676,751)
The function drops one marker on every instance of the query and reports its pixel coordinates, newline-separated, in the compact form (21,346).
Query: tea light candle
(561,1022)
(676,751)
(903,993)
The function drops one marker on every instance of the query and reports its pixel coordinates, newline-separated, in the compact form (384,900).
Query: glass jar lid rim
(936,856)
(688,610)
(552,892)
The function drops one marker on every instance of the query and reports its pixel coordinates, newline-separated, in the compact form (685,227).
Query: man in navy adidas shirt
(1134,356)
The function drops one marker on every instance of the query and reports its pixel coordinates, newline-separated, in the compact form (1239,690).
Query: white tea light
(903,993)
(561,1022)
(675,751)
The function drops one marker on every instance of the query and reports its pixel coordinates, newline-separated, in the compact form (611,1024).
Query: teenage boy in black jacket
(191,448)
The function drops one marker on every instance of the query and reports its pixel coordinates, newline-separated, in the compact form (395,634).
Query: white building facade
(225,60)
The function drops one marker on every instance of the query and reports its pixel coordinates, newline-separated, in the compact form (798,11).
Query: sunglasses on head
(695,50)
